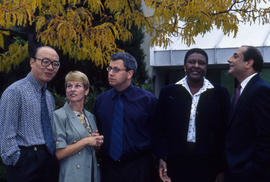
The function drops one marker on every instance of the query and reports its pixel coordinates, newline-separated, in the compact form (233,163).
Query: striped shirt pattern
(20,117)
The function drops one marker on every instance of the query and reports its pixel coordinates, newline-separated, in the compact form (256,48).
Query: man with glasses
(27,145)
(124,115)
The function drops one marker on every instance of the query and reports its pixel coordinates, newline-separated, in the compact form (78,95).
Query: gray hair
(129,61)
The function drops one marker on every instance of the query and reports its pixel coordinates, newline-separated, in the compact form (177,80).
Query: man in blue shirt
(27,144)
(124,115)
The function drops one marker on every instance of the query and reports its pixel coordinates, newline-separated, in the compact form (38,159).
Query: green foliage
(147,85)
(59,99)
(90,100)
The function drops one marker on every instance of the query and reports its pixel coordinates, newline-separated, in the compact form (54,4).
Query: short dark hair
(254,53)
(196,50)
(34,49)
(129,61)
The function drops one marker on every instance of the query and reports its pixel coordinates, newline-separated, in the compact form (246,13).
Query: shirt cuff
(11,159)
(60,144)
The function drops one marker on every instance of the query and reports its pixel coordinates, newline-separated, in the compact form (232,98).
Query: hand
(94,140)
(163,171)
(100,142)
(96,133)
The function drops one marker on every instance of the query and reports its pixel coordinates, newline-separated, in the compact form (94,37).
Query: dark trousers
(230,177)
(247,176)
(140,169)
(34,165)
(192,169)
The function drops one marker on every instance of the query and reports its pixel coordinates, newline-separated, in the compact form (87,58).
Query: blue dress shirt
(20,117)
(139,106)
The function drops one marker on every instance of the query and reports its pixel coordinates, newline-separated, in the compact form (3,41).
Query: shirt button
(78,166)
(79,153)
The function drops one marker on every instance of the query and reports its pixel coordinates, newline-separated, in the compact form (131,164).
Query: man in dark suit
(248,138)
(190,125)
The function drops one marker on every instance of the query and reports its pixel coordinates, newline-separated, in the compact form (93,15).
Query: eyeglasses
(115,69)
(47,62)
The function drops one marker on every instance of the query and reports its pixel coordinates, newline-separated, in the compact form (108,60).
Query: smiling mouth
(49,74)
(195,73)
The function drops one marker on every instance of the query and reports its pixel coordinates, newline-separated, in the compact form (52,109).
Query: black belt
(34,147)
(129,158)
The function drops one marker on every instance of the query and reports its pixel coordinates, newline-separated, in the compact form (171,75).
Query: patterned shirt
(20,117)
(191,136)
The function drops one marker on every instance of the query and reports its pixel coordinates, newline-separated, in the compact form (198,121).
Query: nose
(196,64)
(110,73)
(72,88)
(229,60)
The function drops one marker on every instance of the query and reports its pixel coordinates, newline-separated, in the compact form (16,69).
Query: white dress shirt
(191,136)
(245,82)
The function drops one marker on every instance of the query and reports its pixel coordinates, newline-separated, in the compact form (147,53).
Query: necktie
(46,124)
(116,145)
(237,95)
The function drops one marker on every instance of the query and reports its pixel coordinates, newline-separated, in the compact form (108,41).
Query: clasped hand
(95,140)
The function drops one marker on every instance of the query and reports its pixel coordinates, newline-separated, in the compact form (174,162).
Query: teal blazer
(67,130)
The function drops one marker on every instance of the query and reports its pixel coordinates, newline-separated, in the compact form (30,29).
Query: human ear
(130,74)
(250,63)
(31,62)
(86,92)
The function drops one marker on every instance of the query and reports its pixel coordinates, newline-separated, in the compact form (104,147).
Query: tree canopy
(89,29)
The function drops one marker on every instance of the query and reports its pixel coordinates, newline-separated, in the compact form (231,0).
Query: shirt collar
(124,92)
(246,80)
(206,85)
(78,113)
(34,82)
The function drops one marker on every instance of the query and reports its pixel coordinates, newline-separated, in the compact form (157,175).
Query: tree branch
(14,32)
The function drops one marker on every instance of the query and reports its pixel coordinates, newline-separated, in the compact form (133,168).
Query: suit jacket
(172,116)
(68,130)
(248,137)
